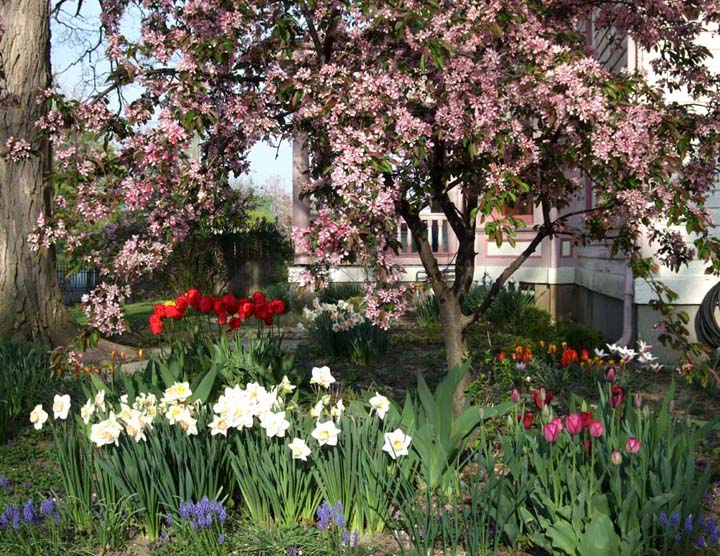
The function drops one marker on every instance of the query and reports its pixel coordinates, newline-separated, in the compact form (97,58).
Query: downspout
(633,63)
(628,306)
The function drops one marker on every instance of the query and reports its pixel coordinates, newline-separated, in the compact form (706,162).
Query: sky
(72,36)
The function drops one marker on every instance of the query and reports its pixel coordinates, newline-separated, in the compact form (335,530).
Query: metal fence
(74,285)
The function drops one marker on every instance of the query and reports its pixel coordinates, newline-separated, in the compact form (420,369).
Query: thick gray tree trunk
(30,300)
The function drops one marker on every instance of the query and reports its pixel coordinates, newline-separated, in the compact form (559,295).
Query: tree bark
(31,305)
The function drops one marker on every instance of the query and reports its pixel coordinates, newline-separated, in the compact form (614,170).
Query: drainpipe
(628,302)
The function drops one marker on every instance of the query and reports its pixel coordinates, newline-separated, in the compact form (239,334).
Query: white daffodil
(219,425)
(87,411)
(274,424)
(135,427)
(285,386)
(326,433)
(317,410)
(61,406)
(397,443)
(322,377)
(100,400)
(338,409)
(380,404)
(299,449)
(106,432)
(176,413)
(38,417)
(188,423)
(178,392)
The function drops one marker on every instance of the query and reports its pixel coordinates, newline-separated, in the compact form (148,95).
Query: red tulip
(193,297)
(206,304)
(159,310)
(219,306)
(633,445)
(230,303)
(515,396)
(172,312)
(527,419)
(542,397)
(617,396)
(573,423)
(268,319)
(276,307)
(569,356)
(616,457)
(596,428)
(234,323)
(502,356)
(585,356)
(181,303)
(156,324)
(261,311)
(222,318)
(259,297)
(587,418)
(246,310)
(552,430)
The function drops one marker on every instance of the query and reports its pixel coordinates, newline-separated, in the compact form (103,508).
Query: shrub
(427,311)
(340,291)
(25,380)
(342,331)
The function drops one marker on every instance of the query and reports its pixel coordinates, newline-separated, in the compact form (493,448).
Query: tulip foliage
(399,103)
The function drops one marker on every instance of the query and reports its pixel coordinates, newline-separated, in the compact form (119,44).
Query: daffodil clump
(238,407)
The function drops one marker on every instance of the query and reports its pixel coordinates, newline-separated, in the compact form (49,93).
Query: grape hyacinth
(704,531)
(202,514)
(329,516)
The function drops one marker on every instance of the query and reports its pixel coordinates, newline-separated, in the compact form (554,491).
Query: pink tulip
(633,445)
(596,428)
(515,396)
(610,374)
(637,400)
(616,457)
(574,424)
(552,430)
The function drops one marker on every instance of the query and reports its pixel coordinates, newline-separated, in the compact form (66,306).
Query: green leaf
(562,535)
(203,388)
(599,538)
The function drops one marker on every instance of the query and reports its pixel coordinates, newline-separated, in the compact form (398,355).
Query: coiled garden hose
(706,326)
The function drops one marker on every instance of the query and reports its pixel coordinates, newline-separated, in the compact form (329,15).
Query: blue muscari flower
(221,538)
(339,516)
(688,524)
(701,521)
(11,517)
(29,514)
(700,541)
(346,537)
(27,485)
(201,513)
(292,551)
(47,507)
(678,537)
(355,539)
(663,519)
(4,482)
(324,515)
(674,519)
(168,521)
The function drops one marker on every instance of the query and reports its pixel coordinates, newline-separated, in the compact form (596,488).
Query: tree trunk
(453,329)
(30,301)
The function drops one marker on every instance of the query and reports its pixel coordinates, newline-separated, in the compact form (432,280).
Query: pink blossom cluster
(17,149)
(102,307)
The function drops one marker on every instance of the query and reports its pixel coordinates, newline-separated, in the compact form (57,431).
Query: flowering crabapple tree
(400,103)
